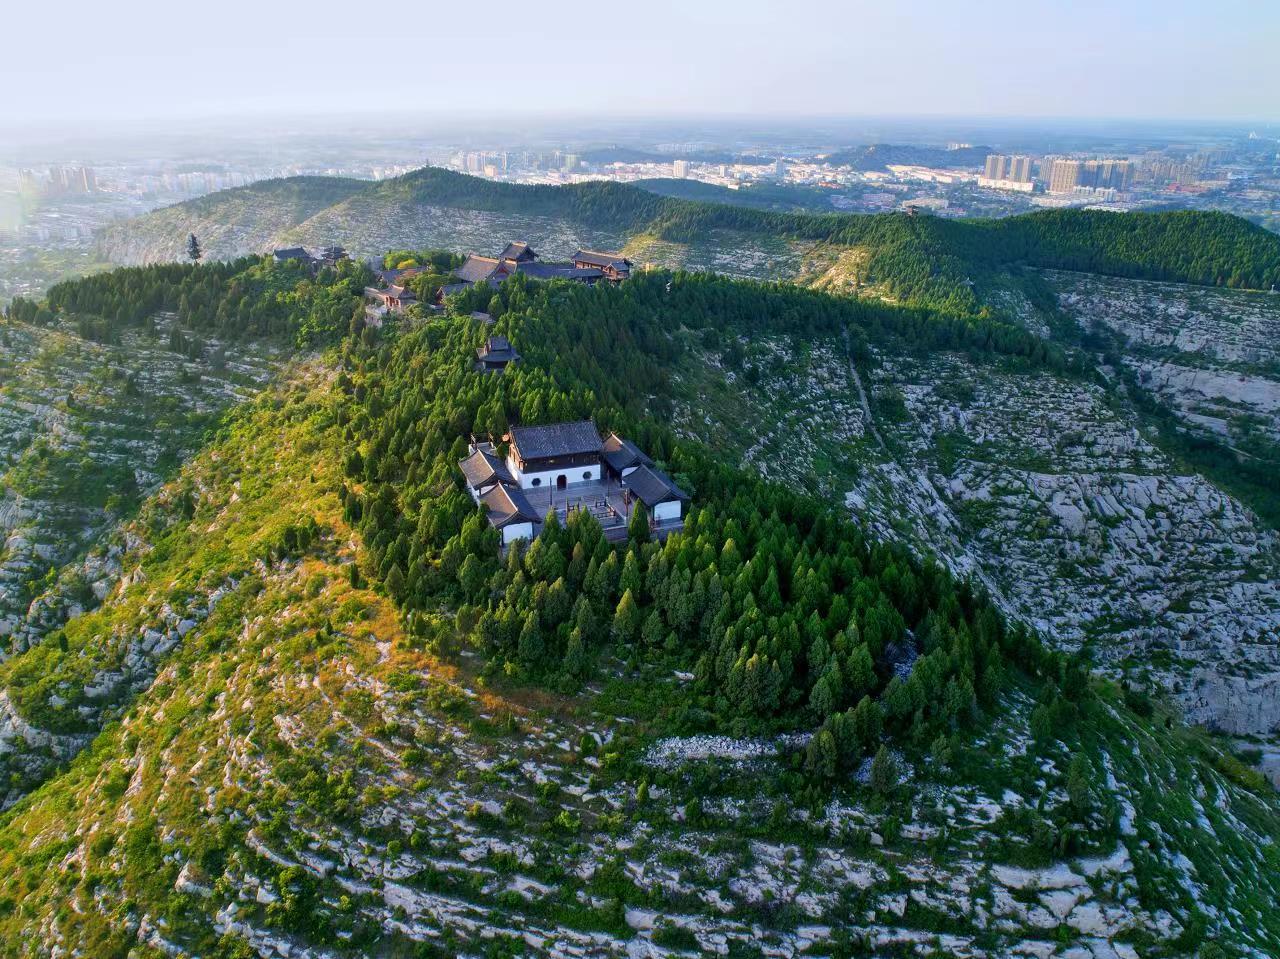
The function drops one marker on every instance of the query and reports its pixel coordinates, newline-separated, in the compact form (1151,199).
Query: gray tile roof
(474,268)
(291,253)
(596,258)
(508,505)
(518,251)
(653,486)
(481,469)
(558,271)
(622,454)
(556,439)
(497,349)
(401,293)
(393,277)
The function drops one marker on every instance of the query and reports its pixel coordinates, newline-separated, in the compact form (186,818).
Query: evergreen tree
(626,618)
(395,581)
(194,252)
(821,755)
(884,772)
(638,527)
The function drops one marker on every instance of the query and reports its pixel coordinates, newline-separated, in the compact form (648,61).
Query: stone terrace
(604,499)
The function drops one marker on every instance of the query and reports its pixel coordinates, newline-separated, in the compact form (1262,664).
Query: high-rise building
(1064,175)
(680,169)
(1114,174)
(1007,173)
(1110,174)
(1009,169)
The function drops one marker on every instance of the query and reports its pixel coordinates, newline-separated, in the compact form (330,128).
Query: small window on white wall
(586,474)
(537,481)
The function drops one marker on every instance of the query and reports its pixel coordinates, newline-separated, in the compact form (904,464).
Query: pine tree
(194,253)
(820,698)
(653,632)
(395,581)
(472,577)
(638,528)
(867,722)
(575,655)
(821,754)
(529,646)
(631,579)
(884,772)
(860,672)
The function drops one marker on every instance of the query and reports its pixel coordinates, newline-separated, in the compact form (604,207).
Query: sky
(102,65)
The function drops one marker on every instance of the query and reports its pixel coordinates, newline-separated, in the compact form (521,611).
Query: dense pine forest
(785,616)
(240,299)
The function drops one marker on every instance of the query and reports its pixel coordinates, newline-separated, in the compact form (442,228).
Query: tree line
(252,297)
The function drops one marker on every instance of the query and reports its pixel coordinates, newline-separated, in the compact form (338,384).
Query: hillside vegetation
(338,723)
(230,223)
(923,260)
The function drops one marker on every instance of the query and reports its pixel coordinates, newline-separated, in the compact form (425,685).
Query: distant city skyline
(146,63)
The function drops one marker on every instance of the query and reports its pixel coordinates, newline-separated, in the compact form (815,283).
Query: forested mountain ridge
(925,260)
(369,734)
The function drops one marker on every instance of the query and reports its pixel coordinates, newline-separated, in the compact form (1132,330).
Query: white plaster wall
(572,474)
(667,511)
(517,531)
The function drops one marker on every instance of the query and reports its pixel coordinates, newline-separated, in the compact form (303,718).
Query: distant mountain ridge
(928,260)
(229,223)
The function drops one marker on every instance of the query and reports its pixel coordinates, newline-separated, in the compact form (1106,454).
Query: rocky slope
(1212,355)
(85,430)
(416,212)
(304,777)
(1041,485)
(367,225)
(229,223)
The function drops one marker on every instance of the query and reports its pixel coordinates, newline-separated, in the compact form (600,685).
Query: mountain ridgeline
(924,260)
(1214,249)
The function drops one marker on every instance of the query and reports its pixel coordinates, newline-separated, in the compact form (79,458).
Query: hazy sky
(103,62)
